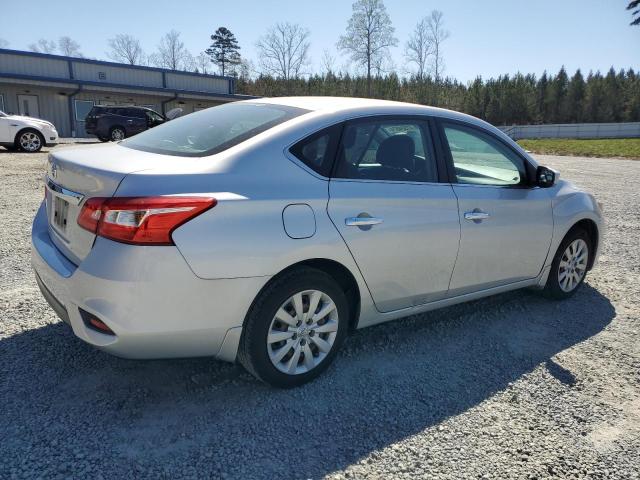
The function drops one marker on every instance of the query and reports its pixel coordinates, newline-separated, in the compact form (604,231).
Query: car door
(506,221)
(136,121)
(4,130)
(398,220)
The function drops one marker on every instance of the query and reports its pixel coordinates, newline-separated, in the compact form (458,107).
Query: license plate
(60,211)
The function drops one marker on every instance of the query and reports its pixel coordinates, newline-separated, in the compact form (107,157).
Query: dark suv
(117,123)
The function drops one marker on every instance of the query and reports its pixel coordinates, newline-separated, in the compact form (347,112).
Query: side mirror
(545,177)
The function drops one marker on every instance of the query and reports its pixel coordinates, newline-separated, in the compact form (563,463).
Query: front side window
(212,130)
(481,160)
(154,117)
(395,150)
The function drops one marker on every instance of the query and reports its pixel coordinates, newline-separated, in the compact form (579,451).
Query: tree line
(507,100)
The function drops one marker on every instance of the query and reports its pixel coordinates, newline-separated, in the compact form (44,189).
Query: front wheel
(294,328)
(29,141)
(569,266)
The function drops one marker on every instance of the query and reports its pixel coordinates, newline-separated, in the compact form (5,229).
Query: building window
(1,102)
(83,107)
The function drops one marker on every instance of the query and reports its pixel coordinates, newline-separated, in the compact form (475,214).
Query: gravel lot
(513,386)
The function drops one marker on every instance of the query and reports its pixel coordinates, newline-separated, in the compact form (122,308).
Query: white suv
(26,133)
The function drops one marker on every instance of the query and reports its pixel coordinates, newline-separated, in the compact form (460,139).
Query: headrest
(397,151)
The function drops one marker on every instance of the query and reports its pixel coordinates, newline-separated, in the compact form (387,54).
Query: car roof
(345,104)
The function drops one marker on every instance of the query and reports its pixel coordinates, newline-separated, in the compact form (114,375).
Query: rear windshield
(212,130)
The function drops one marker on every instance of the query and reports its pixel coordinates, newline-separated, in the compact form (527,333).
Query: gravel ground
(513,386)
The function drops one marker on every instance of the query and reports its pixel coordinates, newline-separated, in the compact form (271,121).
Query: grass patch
(610,147)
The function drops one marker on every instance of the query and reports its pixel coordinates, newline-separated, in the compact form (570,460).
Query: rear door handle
(476,215)
(362,221)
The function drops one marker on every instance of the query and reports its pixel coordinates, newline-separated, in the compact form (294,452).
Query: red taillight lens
(90,213)
(141,220)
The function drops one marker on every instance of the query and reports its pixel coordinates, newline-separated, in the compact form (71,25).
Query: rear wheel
(569,267)
(29,141)
(294,328)
(116,134)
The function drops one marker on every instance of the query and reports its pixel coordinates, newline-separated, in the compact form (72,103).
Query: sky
(488,37)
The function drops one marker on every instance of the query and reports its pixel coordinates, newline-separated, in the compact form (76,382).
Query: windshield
(213,130)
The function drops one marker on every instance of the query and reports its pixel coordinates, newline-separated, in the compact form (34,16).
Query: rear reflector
(140,220)
(94,323)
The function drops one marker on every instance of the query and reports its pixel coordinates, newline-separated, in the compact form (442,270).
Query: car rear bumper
(148,296)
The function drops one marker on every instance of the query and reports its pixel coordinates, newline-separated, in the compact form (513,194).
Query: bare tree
(69,47)
(437,35)
(284,50)
(171,53)
(126,49)
(203,62)
(43,46)
(328,62)
(419,48)
(3,43)
(244,70)
(369,35)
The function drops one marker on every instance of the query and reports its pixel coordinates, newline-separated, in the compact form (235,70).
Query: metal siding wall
(197,83)
(574,130)
(27,65)
(53,106)
(122,75)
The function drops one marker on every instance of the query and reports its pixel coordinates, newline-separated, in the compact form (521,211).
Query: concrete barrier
(574,130)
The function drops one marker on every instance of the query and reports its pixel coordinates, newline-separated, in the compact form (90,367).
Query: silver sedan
(265,231)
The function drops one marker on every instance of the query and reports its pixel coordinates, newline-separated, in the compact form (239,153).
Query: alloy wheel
(302,332)
(573,265)
(30,142)
(117,134)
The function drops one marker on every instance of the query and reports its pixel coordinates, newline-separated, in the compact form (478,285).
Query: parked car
(265,231)
(117,123)
(26,134)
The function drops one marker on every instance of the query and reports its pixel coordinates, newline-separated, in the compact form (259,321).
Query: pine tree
(575,98)
(557,97)
(224,51)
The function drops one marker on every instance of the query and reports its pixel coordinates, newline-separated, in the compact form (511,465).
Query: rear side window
(213,130)
(136,113)
(387,149)
(319,150)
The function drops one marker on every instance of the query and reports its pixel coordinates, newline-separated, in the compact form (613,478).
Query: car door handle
(362,221)
(476,215)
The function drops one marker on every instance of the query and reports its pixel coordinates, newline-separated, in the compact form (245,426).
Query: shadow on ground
(122,418)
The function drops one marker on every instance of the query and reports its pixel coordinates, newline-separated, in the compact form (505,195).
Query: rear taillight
(140,220)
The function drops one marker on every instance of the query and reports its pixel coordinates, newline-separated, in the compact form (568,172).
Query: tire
(29,140)
(568,272)
(260,357)
(117,134)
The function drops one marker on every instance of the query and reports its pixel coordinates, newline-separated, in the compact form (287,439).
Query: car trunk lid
(75,174)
